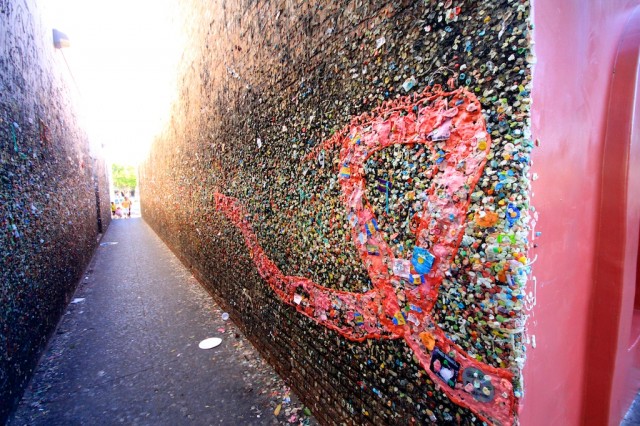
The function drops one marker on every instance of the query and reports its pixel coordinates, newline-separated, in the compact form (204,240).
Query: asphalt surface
(632,418)
(126,350)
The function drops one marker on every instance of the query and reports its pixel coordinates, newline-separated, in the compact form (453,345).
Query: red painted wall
(576,44)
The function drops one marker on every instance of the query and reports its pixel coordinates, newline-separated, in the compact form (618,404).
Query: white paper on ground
(209,343)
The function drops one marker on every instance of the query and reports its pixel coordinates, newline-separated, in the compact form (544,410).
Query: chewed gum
(380,313)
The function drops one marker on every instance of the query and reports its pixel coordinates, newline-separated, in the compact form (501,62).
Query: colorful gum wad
(451,127)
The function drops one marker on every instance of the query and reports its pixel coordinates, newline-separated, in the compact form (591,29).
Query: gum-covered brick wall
(349,179)
(48,207)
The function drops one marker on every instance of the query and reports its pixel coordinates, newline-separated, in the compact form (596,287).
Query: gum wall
(350,181)
(51,185)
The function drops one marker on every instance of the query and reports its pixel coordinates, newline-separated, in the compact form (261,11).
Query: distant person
(119,212)
(126,205)
(113,209)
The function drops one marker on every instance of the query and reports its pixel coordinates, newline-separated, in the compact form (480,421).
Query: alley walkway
(126,351)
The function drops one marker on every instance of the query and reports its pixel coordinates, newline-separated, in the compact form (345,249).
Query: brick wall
(262,85)
(48,208)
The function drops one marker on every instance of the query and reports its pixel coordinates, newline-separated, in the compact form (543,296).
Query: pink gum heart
(444,122)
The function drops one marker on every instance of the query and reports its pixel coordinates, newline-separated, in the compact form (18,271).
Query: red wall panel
(576,45)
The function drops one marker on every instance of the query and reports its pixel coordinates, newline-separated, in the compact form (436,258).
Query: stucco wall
(257,185)
(577,322)
(48,211)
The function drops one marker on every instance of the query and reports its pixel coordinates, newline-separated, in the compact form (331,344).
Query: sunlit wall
(349,179)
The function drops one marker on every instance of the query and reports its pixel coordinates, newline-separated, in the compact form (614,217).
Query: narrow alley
(126,350)
(334,212)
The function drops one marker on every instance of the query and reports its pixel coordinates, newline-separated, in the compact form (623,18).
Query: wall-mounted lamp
(60,39)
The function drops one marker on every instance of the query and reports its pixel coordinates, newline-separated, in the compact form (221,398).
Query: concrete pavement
(126,351)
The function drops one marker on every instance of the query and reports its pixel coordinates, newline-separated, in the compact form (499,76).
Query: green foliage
(124,177)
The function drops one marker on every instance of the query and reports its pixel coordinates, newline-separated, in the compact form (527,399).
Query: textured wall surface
(350,180)
(48,207)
